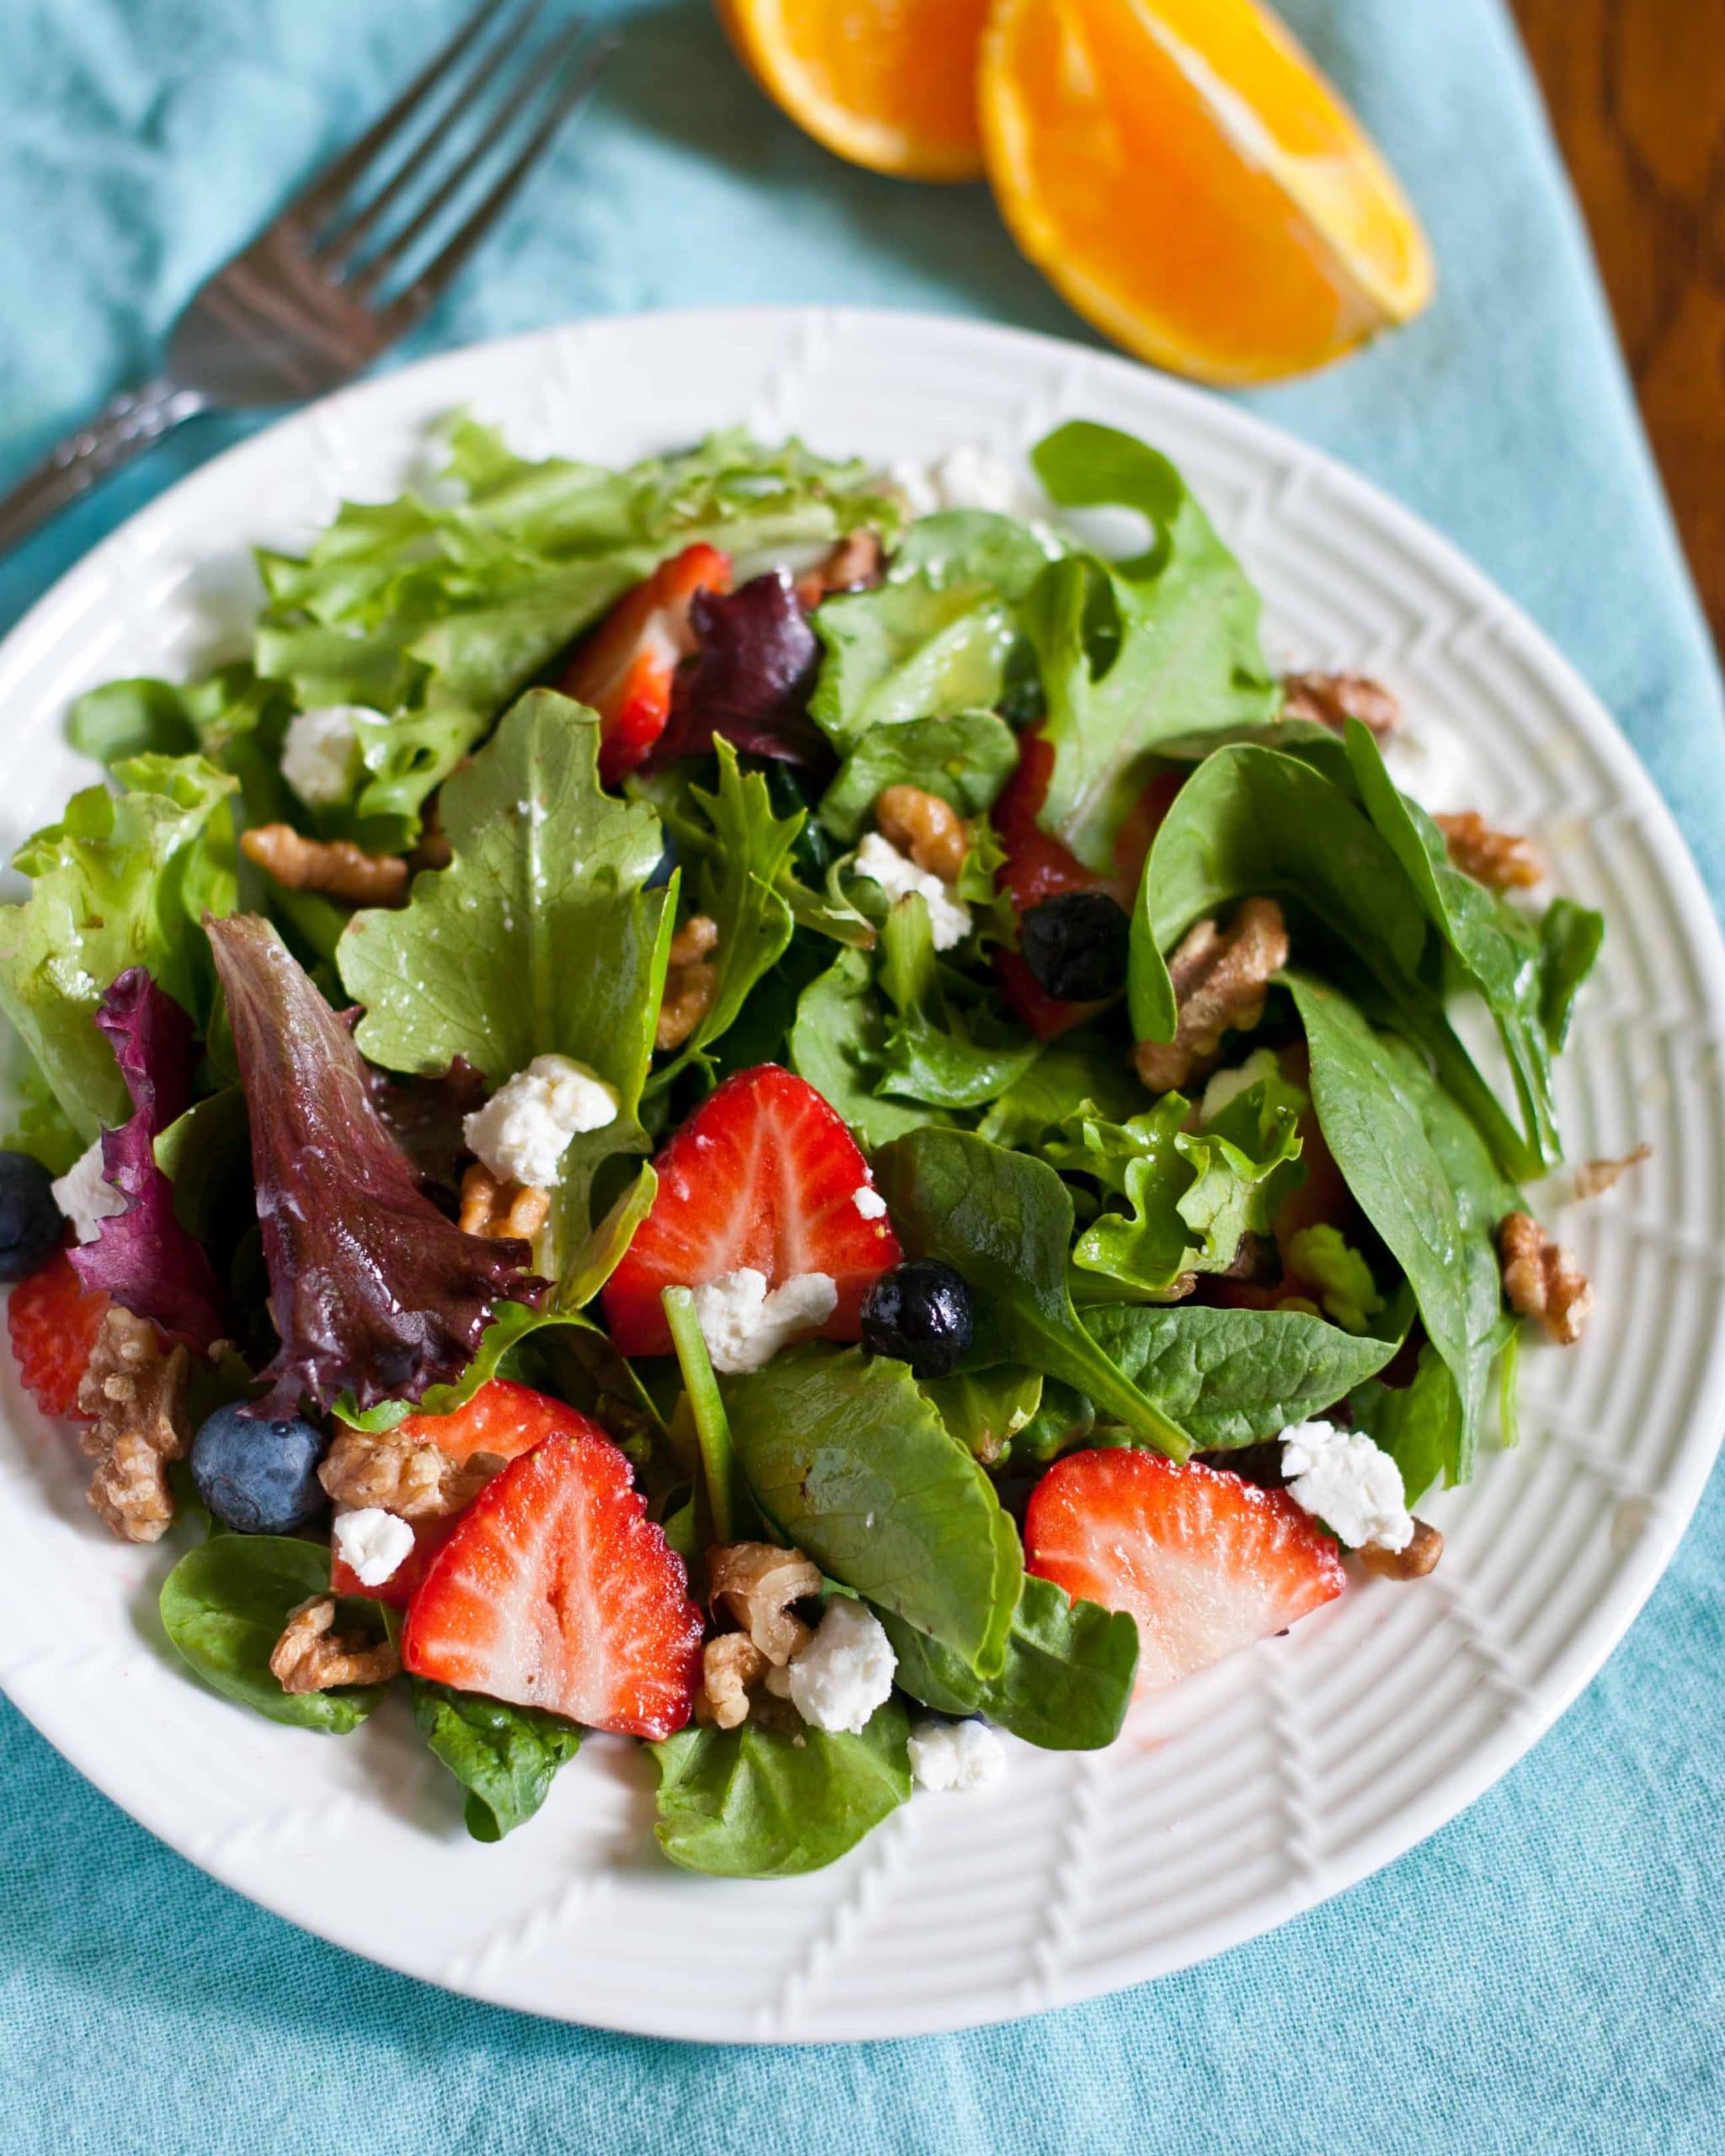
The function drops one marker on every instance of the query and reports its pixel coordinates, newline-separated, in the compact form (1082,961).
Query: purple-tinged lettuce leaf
(374,1293)
(752,677)
(143,1257)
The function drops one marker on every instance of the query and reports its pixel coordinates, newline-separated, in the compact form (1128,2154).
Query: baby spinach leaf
(539,938)
(985,1410)
(1005,1221)
(747,857)
(758,1803)
(1067,1681)
(946,1046)
(1570,936)
(1236,1377)
(225,1606)
(838,1044)
(1131,652)
(913,648)
(1421,1174)
(965,758)
(1421,1425)
(504,1757)
(851,1463)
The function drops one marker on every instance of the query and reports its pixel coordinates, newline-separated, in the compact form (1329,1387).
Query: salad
(773,1110)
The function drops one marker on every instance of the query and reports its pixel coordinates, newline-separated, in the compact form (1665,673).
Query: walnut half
(1419,1557)
(690,982)
(504,1211)
(309,1656)
(1503,861)
(730,1665)
(416,1481)
(1219,976)
(135,1389)
(336,867)
(921,824)
(1542,1279)
(1332,699)
(756,1583)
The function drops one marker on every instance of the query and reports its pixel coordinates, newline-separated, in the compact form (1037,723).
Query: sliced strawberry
(556,1590)
(1037,866)
(624,669)
(763,1174)
(53,1320)
(1204,1561)
(501,1418)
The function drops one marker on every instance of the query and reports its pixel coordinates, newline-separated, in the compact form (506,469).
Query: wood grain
(1637,89)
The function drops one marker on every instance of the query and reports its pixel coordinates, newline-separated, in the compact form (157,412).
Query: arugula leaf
(1419,1172)
(964,758)
(1237,1377)
(985,1410)
(759,1803)
(746,857)
(122,880)
(1079,1074)
(935,1050)
(1005,1221)
(1134,651)
(225,1606)
(539,938)
(838,1044)
(851,1465)
(1067,1682)
(504,1757)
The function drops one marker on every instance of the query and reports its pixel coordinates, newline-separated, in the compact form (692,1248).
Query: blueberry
(30,1223)
(1076,946)
(667,863)
(258,1477)
(921,1313)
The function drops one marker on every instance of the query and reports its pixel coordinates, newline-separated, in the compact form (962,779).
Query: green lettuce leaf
(539,938)
(838,1044)
(1080,1074)
(1133,652)
(122,880)
(504,1757)
(946,1046)
(965,758)
(759,1803)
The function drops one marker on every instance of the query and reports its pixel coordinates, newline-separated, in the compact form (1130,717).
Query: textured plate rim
(1588,1645)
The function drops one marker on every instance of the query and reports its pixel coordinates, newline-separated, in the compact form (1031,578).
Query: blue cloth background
(1548,1974)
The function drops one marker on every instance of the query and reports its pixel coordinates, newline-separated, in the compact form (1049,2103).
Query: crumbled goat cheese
(522,1131)
(1227,1087)
(879,859)
(84,1195)
(745,1326)
(321,755)
(868,1201)
(1344,1479)
(1431,762)
(915,483)
(973,477)
(372,1543)
(956,1755)
(845,1671)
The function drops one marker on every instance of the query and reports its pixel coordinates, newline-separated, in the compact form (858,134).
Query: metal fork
(331,284)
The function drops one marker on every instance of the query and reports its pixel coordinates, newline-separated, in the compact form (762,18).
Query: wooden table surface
(1637,89)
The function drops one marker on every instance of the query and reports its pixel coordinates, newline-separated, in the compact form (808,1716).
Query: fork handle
(126,426)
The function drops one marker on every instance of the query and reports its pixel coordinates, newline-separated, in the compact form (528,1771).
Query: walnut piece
(1592,1178)
(1332,699)
(404,1476)
(924,826)
(309,1658)
(1543,1280)
(1503,861)
(503,1212)
(335,867)
(134,1389)
(730,1665)
(1219,976)
(1413,1563)
(853,565)
(690,982)
(757,1583)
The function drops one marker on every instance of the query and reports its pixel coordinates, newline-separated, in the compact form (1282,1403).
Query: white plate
(1308,1762)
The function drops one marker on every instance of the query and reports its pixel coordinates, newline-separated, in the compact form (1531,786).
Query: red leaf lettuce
(750,678)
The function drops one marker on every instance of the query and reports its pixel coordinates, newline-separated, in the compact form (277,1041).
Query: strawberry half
(1037,866)
(556,1590)
(53,1320)
(502,1418)
(763,1174)
(1204,1561)
(624,669)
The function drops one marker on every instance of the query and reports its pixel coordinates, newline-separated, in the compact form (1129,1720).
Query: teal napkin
(1546,1974)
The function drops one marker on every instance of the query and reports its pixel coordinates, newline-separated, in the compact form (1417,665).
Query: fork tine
(325,191)
(400,248)
(348,239)
(580,75)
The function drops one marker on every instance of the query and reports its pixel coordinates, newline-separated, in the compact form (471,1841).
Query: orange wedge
(1193,185)
(888,83)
